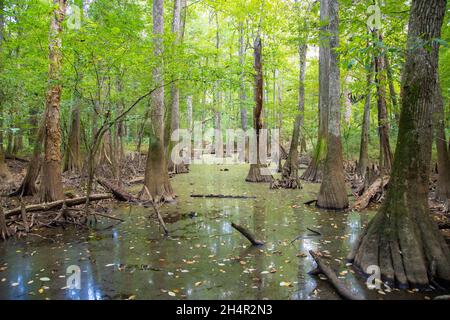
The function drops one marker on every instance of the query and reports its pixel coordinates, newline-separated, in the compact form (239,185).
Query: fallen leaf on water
(285,284)
(199,283)
(45,279)
(172,294)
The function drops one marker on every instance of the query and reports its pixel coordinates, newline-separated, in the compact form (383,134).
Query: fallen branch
(220,196)
(250,237)
(334,280)
(118,193)
(56,205)
(378,186)
(13,157)
(161,220)
(136,180)
(317,233)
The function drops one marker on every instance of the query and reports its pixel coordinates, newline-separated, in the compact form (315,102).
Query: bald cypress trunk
(51,183)
(255,175)
(314,171)
(333,193)
(402,239)
(175,94)
(157,187)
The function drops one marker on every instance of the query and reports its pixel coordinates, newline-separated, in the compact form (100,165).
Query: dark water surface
(203,258)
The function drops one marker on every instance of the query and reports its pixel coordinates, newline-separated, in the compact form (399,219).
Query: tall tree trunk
(314,171)
(383,121)
(333,193)
(72,158)
(402,239)
(443,183)
(51,182)
(242,87)
(5,174)
(157,186)
(364,147)
(175,94)
(289,172)
(255,174)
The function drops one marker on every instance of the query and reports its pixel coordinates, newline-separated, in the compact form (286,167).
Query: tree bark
(5,174)
(28,185)
(51,184)
(72,159)
(402,239)
(255,174)
(175,94)
(314,171)
(242,86)
(443,163)
(157,187)
(364,147)
(383,121)
(333,194)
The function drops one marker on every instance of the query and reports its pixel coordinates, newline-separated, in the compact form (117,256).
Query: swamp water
(203,257)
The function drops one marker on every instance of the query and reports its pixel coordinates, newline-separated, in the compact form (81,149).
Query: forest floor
(201,254)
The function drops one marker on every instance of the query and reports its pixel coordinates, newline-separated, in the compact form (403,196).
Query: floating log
(378,186)
(331,275)
(220,196)
(118,193)
(57,204)
(250,237)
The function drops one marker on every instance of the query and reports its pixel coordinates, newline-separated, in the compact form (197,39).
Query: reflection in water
(202,258)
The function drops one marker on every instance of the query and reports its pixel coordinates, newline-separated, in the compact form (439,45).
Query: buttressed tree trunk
(443,183)
(314,171)
(402,239)
(333,193)
(364,147)
(51,182)
(157,187)
(254,174)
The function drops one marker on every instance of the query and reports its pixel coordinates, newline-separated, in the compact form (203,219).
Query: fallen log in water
(56,205)
(331,275)
(250,237)
(118,193)
(377,187)
(220,196)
